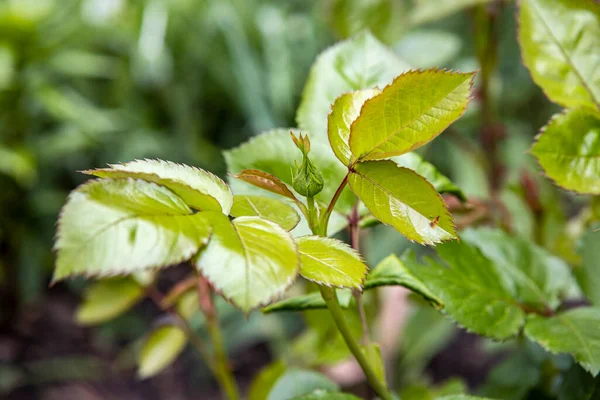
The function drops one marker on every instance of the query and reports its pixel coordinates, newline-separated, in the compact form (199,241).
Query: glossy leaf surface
(568,149)
(414,109)
(560,44)
(116,227)
(198,188)
(250,261)
(399,197)
(267,208)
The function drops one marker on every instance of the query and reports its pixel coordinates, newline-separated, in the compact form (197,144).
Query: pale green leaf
(330,262)
(18,164)
(310,301)
(568,149)
(575,332)
(399,197)
(391,271)
(429,48)
(250,261)
(198,188)
(560,44)
(344,112)
(471,290)
(274,153)
(107,299)
(116,227)
(534,276)
(267,208)
(440,182)
(325,395)
(160,349)
(414,109)
(430,10)
(297,382)
(462,397)
(358,63)
(265,380)
(588,273)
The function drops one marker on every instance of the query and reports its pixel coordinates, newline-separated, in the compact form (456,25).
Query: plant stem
(333,305)
(221,362)
(353,226)
(334,199)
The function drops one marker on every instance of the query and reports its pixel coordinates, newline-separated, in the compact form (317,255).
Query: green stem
(333,305)
(220,362)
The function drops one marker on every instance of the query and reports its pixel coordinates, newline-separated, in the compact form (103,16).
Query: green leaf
(265,380)
(310,301)
(274,153)
(330,262)
(344,112)
(560,40)
(250,261)
(471,289)
(116,227)
(107,299)
(577,384)
(575,332)
(440,182)
(588,273)
(534,276)
(198,188)
(324,395)
(160,349)
(267,208)
(266,181)
(399,197)
(297,382)
(425,48)
(18,164)
(568,150)
(461,397)
(414,109)
(430,10)
(358,63)
(392,271)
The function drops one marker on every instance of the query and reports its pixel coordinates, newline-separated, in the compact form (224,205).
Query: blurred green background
(89,82)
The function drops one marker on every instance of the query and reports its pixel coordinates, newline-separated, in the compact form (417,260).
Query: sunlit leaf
(569,150)
(160,349)
(198,188)
(330,262)
(267,208)
(358,63)
(414,109)
(250,261)
(344,112)
(399,197)
(391,271)
(560,43)
(107,299)
(116,227)
(575,332)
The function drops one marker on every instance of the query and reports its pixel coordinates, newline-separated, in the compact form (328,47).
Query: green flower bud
(307,180)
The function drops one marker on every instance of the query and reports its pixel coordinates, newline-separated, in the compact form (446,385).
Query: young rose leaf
(296,382)
(265,380)
(440,182)
(409,112)
(330,262)
(560,43)
(274,153)
(198,188)
(249,260)
(344,112)
(266,181)
(325,395)
(267,208)
(575,332)
(471,289)
(588,273)
(160,349)
(310,301)
(568,149)
(399,197)
(107,299)
(534,276)
(358,63)
(391,271)
(116,227)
